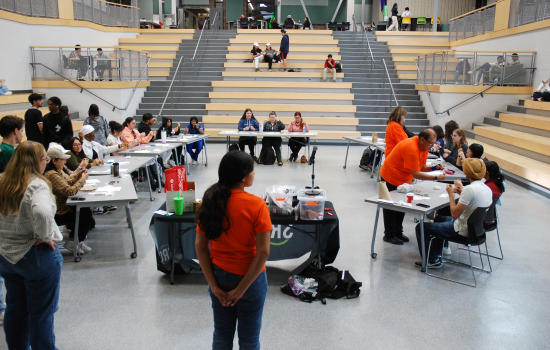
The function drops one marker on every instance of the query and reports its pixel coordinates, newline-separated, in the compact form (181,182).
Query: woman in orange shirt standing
(129,134)
(394,130)
(232,246)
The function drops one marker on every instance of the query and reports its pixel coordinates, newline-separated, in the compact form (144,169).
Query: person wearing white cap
(270,55)
(256,55)
(91,147)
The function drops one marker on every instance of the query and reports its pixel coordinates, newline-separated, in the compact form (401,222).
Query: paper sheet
(419,198)
(99,171)
(109,189)
(91,182)
(162,212)
(444,195)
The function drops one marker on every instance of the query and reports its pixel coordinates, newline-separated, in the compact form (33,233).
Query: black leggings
(85,222)
(393,220)
(250,141)
(296,143)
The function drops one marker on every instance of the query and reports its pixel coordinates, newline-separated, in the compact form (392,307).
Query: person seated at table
(248,123)
(130,133)
(77,158)
(515,59)
(289,22)
(494,179)
(450,126)
(114,137)
(473,196)
(232,245)
(406,13)
(459,142)
(144,127)
(103,64)
(272,125)
(440,143)
(94,149)
(256,53)
(273,24)
(462,68)
(406,162)
(167,126)
(307,24)
(78,62)
(296,143)
(63,187)
(270,56)
(475,150)
(195,148)
(330,65)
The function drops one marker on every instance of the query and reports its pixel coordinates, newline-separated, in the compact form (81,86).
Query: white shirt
(90,146)
(474,195)
(111,139)
(543,87)
(406,14)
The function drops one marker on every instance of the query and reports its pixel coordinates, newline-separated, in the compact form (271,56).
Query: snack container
(279,199)
(312,207)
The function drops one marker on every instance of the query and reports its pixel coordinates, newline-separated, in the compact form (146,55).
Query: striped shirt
(64,186)
(35,220)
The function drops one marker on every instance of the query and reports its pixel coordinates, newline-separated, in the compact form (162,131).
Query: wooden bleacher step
(539,105)
(276,40)
(265,74)
(323,134)
(278,84)
(527,120)
(265,107)
(311,121)
(324,49)
(530,142)
(282,96)
(298,57)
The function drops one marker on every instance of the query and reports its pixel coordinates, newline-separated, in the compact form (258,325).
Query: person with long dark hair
(494,179)
(232,245)
(248,123)
(195,148)
(99,123)
(273,124)
(296,143)
(77,158)
(459,142)
(450,126)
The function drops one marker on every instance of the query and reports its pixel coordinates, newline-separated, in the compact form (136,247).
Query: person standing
(33,119)
(330,65)
(406,162)
(232,245)
(11,130)
(57,125)
(99,124)
(394,21)
(284,48)
(395,132)
(30,261)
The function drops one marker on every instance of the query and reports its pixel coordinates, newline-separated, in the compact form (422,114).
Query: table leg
(149,180)
(318,239)
(76,256)
(205,153)
(374,162)
(228,141)
(173,235)
(186,160)
(129,218)
(422,217)
(346,161)
(372,253)
(158,175)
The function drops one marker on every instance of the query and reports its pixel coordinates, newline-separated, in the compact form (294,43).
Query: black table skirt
(290,239)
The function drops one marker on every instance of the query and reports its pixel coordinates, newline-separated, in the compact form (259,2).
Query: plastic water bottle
(261,128)
(163,135)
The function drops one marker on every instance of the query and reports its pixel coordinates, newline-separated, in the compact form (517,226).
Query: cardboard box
(188,198)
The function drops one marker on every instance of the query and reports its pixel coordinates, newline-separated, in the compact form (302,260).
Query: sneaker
(97,210)
(258,70)
(109,208)
(283,70)
(84,247)
(431,265)
(447,251)
(470,72)
(334,81)
(456,82)
(69,245)
(324,80)
(476,84)
(194,162)
(270,70)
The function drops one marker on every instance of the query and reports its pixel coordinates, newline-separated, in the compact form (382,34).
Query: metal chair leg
(472,267)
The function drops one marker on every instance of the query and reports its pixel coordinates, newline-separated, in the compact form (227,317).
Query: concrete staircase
(371,98)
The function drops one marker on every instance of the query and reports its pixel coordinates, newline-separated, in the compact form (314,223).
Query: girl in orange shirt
(394,131)
(232,245)
(129,134)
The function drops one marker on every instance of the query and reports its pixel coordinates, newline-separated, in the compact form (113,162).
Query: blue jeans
(2,303)
(196,147)
(445,229)
(248,311)
(32,294)
(485,66)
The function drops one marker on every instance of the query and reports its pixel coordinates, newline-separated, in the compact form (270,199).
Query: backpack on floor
(269,156)
(295,70)
(248,61)
(365,157)
(338,67)
(233,147)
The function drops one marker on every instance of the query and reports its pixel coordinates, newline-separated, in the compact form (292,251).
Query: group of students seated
(249,123)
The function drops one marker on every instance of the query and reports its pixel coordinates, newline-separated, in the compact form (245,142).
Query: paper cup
(410,197)
(178,205)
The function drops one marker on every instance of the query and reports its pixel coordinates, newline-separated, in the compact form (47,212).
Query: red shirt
(406,156)
(493,186)
(394,134)
(234,251)
(331,62)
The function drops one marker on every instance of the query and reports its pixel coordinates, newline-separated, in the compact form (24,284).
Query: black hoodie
(57,127)
(168,129)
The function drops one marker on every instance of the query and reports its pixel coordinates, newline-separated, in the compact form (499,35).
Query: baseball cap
(256,44)
(283,30)
(56,151)
(87,129)
(268,44)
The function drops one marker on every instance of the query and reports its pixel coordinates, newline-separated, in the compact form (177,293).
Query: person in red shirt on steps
(330,64)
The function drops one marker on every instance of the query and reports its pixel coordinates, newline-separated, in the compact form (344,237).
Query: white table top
(184,139)
(367,140)
(434,199)
(97,198)
(267,134)
(458,175)
(149,149)
(127,164)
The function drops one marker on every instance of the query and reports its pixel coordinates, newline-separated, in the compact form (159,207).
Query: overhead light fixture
(263,5)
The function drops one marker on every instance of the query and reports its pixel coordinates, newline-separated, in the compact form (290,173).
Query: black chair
(491,224)
(253,24)
(243,23)
(345,26)
(332,26)
(289,23)
(476,237)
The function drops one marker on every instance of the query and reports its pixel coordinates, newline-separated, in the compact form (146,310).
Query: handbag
(303,159)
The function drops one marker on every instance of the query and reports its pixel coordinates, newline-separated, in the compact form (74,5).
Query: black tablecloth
(288,239)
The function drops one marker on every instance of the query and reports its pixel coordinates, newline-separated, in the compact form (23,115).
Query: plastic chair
(405,20)
(345,26)
(253,24)
(243,23)
(332,26)
(476,237)
(421,21)
(432,21)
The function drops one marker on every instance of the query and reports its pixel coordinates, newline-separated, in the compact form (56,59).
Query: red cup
(410,197)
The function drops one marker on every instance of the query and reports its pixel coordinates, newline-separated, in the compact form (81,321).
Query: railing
(34,8)
(114,64)
(369,53)
(478,22)
(170,87)
(475,67)
(105,13)
(62,77)
(528,11)
(448,110)
(198,48)
(391,85)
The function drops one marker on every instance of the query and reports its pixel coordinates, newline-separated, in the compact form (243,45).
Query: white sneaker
(194,162)
(456,82)
(447,251)
(84,247)
(476,84)
(97,210)
(69,245)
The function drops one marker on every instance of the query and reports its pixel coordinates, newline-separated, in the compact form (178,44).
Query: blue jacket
(243,123)
(285,46)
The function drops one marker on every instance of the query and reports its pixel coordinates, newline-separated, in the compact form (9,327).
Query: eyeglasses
(431,143)
(77,144)
(47,159)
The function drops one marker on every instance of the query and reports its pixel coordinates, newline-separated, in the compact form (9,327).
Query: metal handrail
(469,98)
(373,61)
(199,42)
(391,85)
(170,88)
(91,93)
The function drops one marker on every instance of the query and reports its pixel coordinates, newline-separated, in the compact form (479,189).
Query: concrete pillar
(436,11)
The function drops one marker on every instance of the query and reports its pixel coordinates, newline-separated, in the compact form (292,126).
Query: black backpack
(233,147)
(338,67)
(365,157)
(269,156)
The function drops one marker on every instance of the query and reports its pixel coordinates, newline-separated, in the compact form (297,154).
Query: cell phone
(448,171)
(77,198)
(423,205)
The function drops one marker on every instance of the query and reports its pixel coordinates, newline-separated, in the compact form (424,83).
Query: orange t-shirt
(406,156)
(394,135)
(234,251)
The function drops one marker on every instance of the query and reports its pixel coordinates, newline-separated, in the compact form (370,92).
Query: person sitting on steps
(256,55)
(330,65)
